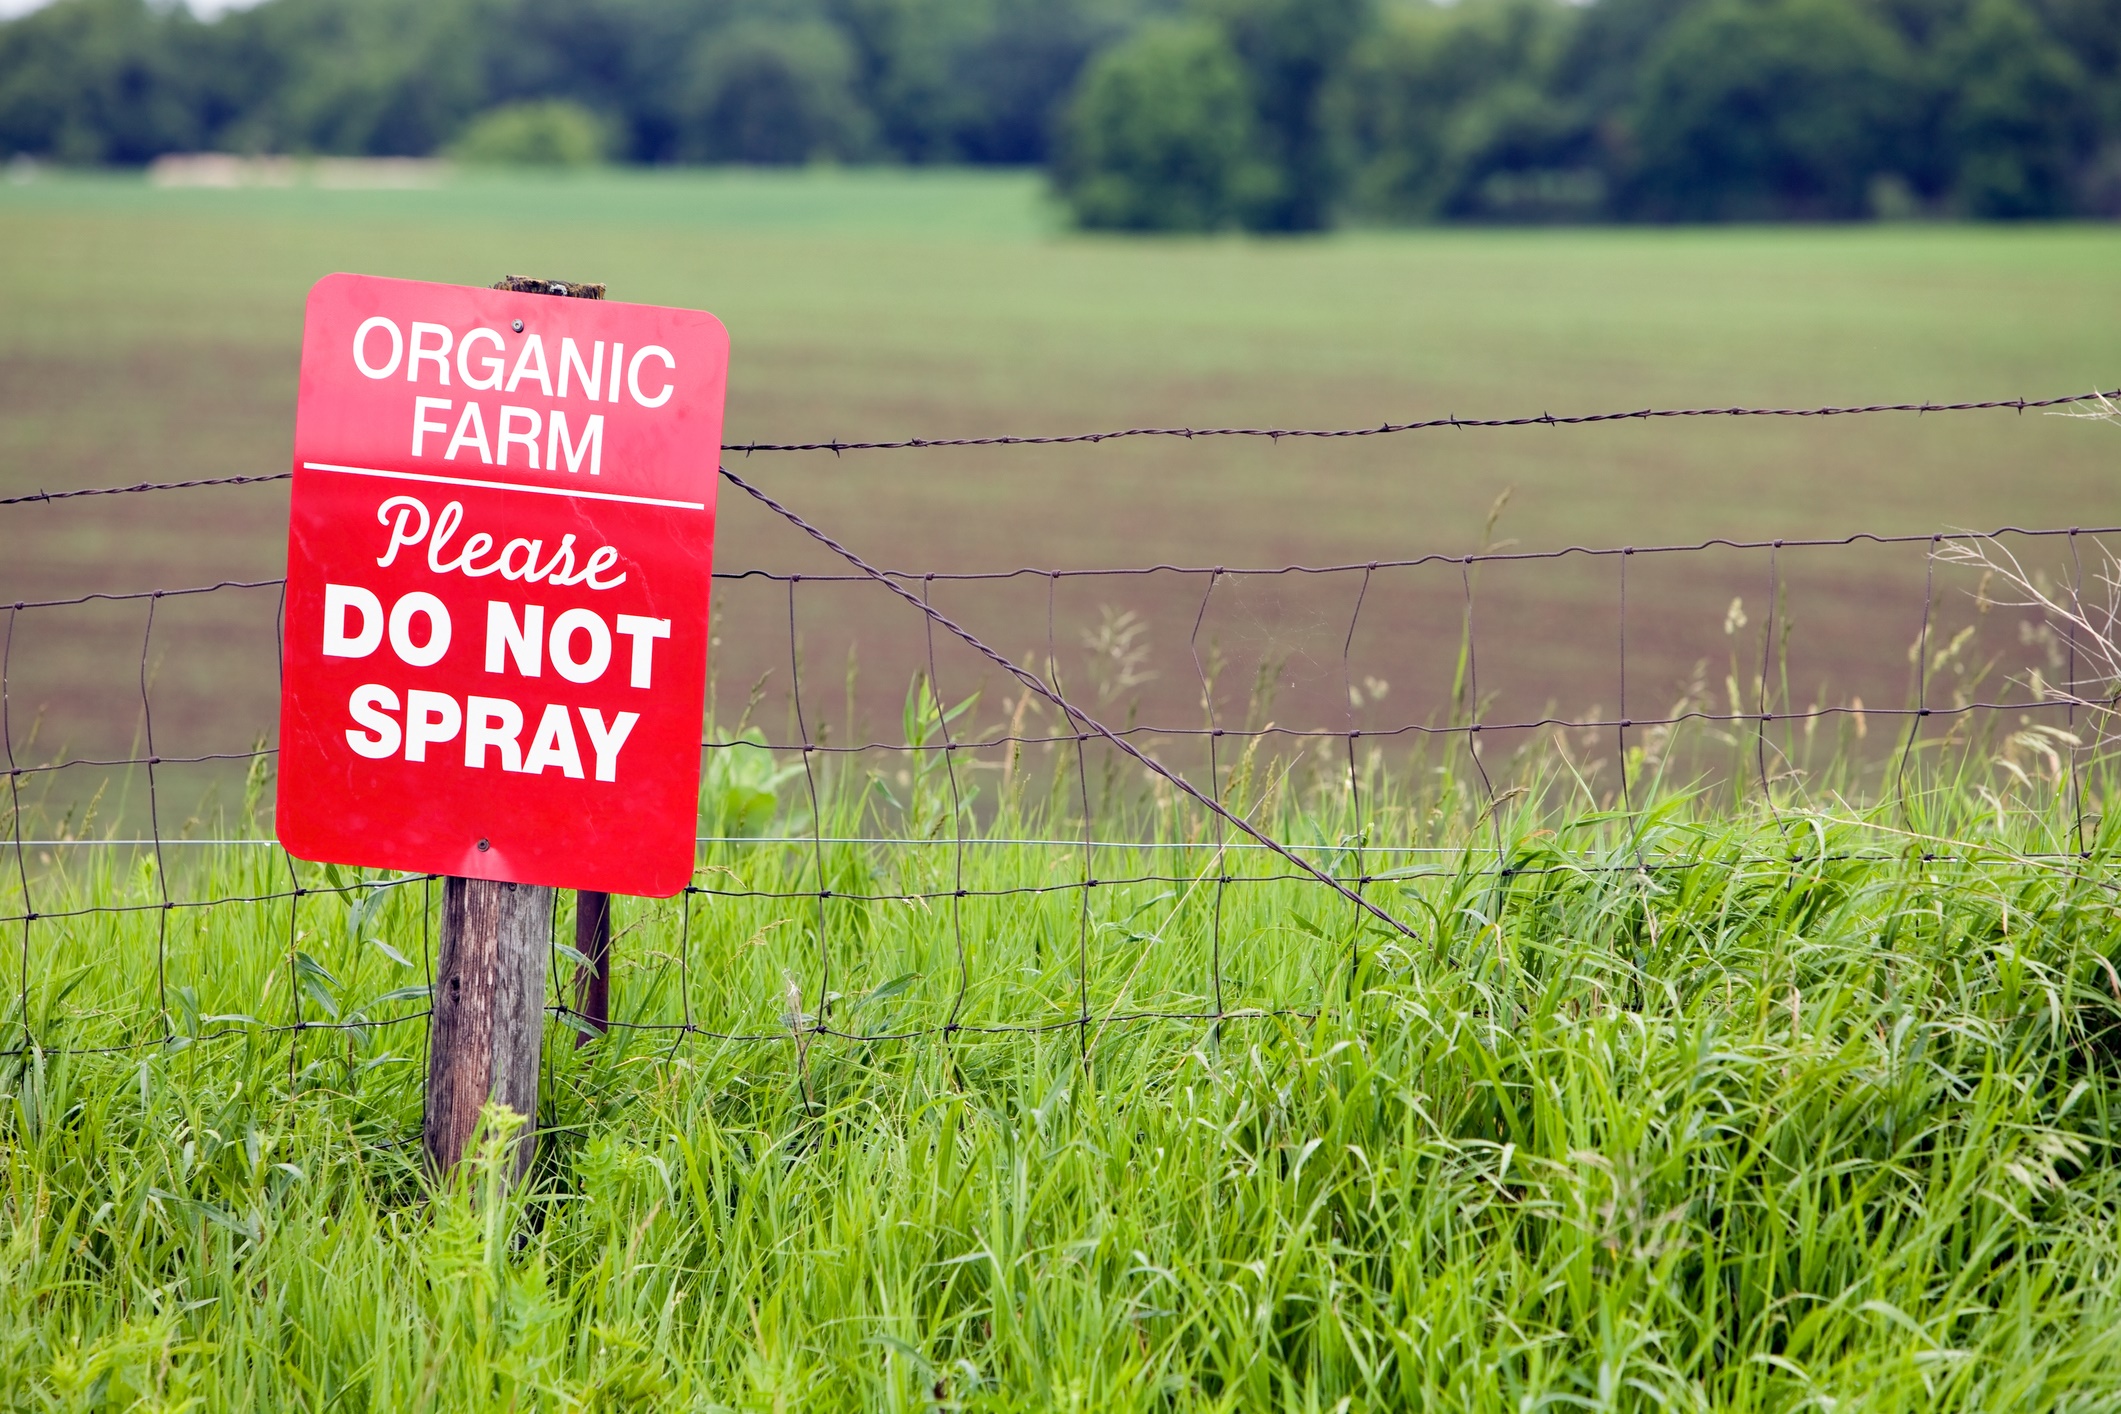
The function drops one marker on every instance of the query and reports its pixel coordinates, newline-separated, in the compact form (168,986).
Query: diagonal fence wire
(1074,713)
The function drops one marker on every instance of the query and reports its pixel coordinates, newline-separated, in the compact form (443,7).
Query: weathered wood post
(486,1034)
(487,1031)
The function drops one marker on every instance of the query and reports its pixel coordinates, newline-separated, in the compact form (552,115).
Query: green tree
(383,77)
(1161,136)
(1439,107)
(1017,71)
(773,92)
(629,61)
(1601,59)
(100,81)
(549,133)
(975,80)
(1755,109)
(2015,121)
(1271,114)
(1291,50)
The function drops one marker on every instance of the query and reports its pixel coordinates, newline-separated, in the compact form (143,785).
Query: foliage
(1450,113)
(684,80)
(2012,113)
(1160,137)
(99,81)
(772,92)
(1719,109)
(1196,125)
(739,789)
(1291,50)
(1757,108)
(386,77)
(1384,109)
(553,133)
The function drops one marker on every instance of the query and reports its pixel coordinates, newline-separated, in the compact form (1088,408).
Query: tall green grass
(1689,1104)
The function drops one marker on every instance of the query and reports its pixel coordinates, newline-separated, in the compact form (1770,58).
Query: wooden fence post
(487,1032)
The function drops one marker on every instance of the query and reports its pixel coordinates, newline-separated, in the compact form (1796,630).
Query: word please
(489,725)
(419,628)
(408,521)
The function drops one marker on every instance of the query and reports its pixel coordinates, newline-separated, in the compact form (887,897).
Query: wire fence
(1155,785)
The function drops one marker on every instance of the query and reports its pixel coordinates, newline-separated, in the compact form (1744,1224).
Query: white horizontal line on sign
(506,486)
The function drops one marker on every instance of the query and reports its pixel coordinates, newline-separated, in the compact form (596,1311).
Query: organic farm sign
(498,562)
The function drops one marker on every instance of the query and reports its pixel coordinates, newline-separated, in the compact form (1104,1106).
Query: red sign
(498,563)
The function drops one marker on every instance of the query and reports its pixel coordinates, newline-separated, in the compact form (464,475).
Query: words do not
(578,645)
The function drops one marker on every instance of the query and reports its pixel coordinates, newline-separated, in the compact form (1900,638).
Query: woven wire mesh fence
(1198,794)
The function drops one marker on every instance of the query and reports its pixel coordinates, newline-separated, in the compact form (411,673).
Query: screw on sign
(499,557)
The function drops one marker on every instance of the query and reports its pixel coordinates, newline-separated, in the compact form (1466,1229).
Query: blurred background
(1266,114)
(968,217)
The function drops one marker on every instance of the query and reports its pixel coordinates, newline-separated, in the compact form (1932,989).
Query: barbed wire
(1275,434)
(1386,429)
(46,497)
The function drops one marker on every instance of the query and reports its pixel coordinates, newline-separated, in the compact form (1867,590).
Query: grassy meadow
(1715,1067)
(1702,1106)
(151,334)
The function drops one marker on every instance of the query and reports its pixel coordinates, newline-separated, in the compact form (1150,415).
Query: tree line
(1151,114)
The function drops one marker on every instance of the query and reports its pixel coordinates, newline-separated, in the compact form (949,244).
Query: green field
(152,334)
(1717,1069)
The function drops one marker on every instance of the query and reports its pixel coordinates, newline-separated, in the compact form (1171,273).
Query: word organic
(481,356)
